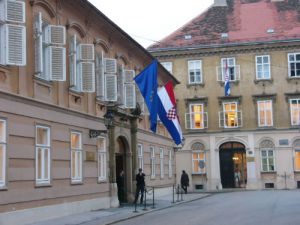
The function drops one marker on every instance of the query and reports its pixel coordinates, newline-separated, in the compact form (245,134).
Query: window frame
(102,160)
(3,143)
(294,54)
(162,164)
(45,150)
(170,168)
(267,157)
(140,154)
(262,64)
(297,114)
(232,69)
(192,116)
(152,162)
(168,66)
(233,111)
(77,178)
(198,152)
(265,112)
(194,70)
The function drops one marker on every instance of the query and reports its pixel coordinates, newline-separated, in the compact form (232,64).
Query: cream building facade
(69,120)
(250,138)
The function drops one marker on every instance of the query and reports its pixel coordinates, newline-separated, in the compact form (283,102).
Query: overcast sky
(150,21)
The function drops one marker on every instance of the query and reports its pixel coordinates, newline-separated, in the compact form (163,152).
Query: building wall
(27,101)
(246,91)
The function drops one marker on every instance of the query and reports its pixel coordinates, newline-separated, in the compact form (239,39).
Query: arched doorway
(120,157)
(233,165)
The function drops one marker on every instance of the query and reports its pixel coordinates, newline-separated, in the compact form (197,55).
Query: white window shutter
(38,50)
(86,52)
(129,91)
(110,65)
(87,71)
(55,35)
(110,88)
(12,11)
(58,63)
(99,77)
(15,38)
(73,61)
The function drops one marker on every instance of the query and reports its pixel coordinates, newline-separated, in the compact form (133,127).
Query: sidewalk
(113,215)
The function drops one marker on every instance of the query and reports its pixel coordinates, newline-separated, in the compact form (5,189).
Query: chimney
(220,3)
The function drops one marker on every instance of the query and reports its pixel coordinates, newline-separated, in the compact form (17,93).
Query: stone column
(215,178)
(133,157)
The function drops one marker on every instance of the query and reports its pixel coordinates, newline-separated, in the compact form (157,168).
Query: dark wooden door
(226,169)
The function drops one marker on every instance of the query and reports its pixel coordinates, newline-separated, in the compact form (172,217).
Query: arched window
(198,158)
(267,156)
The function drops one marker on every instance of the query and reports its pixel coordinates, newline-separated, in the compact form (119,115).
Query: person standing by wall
(140,186)
(120,184)
(185,182)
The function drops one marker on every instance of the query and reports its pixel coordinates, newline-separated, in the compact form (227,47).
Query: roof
(241,21)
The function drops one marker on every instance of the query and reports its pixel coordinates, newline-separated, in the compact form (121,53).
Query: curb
(155,209)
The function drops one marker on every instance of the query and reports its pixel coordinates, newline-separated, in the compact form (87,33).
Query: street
(267,207)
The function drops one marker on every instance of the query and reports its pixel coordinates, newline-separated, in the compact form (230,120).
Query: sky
(150,21)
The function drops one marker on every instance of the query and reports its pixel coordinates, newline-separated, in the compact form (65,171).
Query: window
(294,64)
(42,155)
(230,117)
(295,112)
(263,67)
(297,160)
(50,51)
(198,162)
(196,118)
(101,152)
(106,78)
(76,157)
(82,66)
(229,67)
(12,33)
(161,157)
(129,89)
(2,153)
(267,157)
(152,161)
(170,164)
(140,157)
(265,113)
(195,71)
(167,65)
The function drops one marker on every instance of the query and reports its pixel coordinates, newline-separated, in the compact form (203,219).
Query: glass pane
(2,162)
(195,166)
(265,168)
(291,57)
(263,153)
(264,161)
(2,131)
(73,163)
(46,163)
(297,161)
(201,155)
(75,141)
(270,152)
(266,59)
(42,136)
(297,57)
(258,59)
(39,163)
(271,161)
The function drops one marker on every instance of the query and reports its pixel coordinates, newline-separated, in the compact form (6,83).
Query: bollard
(173,194)
(145,200)
(153,207)
(178,193)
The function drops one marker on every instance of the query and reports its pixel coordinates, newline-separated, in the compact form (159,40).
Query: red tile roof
(243,20)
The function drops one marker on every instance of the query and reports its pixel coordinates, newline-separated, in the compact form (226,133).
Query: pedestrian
(185,182)
(140,186)
(120,185)
(237,177)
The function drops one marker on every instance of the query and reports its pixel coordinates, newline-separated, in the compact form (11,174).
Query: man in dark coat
(140,186)
(184,181)
(120,184)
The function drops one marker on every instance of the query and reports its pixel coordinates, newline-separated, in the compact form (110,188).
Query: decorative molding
(102,43)
(264,81)
(288,96)
(196,99)
(229,98)
(45,5)
(77,27)
(122,57)
(267,144)
(264,96)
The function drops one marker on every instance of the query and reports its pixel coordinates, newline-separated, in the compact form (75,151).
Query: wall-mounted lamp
(180,146)
(108,119)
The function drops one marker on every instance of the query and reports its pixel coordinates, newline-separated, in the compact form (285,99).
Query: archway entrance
(233,165)
(120,153)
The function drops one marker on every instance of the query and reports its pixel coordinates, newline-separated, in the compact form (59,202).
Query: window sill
(195,84)
(41,185)
(266,128)
(270,80)
(198,174)
(268,172)
(3,188)
(76,182)
(234,82)
(41,81)
(102,181)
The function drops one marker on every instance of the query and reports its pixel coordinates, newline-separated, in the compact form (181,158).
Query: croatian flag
(227,84)
(167,111)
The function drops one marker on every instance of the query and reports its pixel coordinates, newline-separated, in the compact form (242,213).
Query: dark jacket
(184,179)
(140,180)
